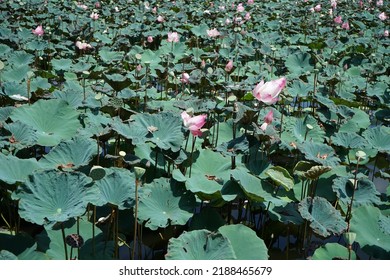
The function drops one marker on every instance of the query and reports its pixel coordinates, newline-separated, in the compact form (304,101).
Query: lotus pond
(194,129)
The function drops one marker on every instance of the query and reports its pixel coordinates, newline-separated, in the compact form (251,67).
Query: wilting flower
(229,66)
(382,16)
(173,37)
(267,120)
(240,8)
(345,25)
(185,78)
(83,45)
(268,92)
(338,20)
(94,16)
(194,124)
(213,33)
(38,31)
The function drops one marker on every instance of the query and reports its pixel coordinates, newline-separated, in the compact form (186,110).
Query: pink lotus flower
(386,33)
(379,3)
(229,66)
(38,31)
(94,16)
(345,25)
(82,6)
(203,64)
(185,78)
(240,8)
(247,16)
(267,120)
(138,68)
(160,19)
(338,20)
(213,33)
(83,45)
(268,92)
(317,8)
(250,2)
(97,5)
(154,10)
(150,39)
(227,21)
(194,124)
(382,16)
(333,3)
(173,37)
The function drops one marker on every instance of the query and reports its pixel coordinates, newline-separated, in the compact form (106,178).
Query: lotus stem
(192,151)
(349,211)
(93,231)
(78,233)
(137,181)
(63,239)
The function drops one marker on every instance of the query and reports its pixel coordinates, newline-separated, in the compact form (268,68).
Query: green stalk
(63,239)
(192,151)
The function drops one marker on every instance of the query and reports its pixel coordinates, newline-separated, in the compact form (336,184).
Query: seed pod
(74,240)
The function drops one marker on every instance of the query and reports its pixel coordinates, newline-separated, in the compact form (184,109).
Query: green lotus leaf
(15,90)
(21,58)
(109,56)
(164,129)
(54,120)
(7,256)
(209,173)
(281,177)
(320,153)
(150,57)
(286,214)
(21,134)
(349,140)
(384,224)
(5,112)
(117,188)
(378,137)
(165,203)
(208,218)
(74,97)
(39,83)
(13,169)
(200,245)
(51,243)
(366,223)
(360,120)
(301,167)
(16,73)
(200,30)
(16,244)
(258,166)
(245,243)
(316,171)
(71,154)
(324,219)
(133,131)
(52,196)
(332,251)
(32,253)
(257,189)
(234,146)
(299,63)
(231,190)
(365,193)
(61,64)
(299,88)
(296,130)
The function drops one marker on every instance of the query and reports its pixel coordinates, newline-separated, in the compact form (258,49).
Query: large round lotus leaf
(365,193)
(333,251)
(349,140)
(246,244)
(281,177)
(16,244)
(52,196)
(133,131)
(285,214)
(5,112)
(116,188)
(13,169)
(209,173)
(320,153)
(164,129)
(71,154)
(365,223)
(164,204)
(51,243)
(31,253)
(21,134)
(7,256)
(234,146)
(257,189)
(200,245)
(295,130)
(299,63)
(208,218)
(54,120)
(378,137)
(323,217)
